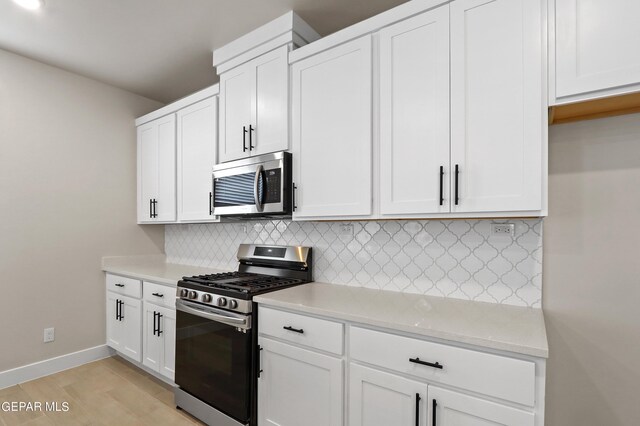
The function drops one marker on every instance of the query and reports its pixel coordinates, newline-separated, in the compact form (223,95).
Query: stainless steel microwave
(253,187)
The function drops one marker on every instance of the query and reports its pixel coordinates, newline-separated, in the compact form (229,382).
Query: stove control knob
(206,298)
(233,304)
(184,293)
(193,295)
(222,301)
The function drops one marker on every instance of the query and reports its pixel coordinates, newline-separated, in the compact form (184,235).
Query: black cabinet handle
(441,185)
(157,294)
(428,364)
(433,413)
(244,138)
(210,203)
(159,329)
(293,197)
(457,198)
(117,310)
(251,130)
(417,409)
(259,360)
(119,285)
(155,326)
(119,303)
(155,205)
(150,208)
(295,330)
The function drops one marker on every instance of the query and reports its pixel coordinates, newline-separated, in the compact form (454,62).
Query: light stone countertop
(514,329)
(152,268)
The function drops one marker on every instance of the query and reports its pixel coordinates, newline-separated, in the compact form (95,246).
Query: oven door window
(213,363)
(237,190)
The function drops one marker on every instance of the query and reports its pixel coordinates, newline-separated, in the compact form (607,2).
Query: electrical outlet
(503,229)
(346,230)
(49,334)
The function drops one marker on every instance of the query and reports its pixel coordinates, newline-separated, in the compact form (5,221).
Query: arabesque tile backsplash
(450,258)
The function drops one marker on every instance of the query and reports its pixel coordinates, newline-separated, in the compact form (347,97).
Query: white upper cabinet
(271,103)
(157,170)
(254,105)
(177,147)
(331,131)
(236,93)
(254,87)
(414,115)
(596,48)
(196,139)
(498,121)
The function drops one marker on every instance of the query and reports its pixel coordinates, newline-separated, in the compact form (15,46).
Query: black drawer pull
(295,330)
(418,409)
(119,285)
(433,415)
(428,364)
(157,294)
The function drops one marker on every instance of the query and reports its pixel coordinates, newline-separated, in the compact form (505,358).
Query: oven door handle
(256,182)
(243,323)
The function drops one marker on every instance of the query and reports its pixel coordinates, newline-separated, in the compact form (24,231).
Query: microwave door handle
(256,194)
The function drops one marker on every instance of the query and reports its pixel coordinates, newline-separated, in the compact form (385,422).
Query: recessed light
(30,4)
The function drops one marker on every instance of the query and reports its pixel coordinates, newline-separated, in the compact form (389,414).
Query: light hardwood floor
(106,392)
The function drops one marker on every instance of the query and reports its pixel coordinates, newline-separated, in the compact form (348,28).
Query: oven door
(255,186)
(214,357)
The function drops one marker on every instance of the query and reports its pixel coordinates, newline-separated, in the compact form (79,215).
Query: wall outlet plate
(49,335)
(346,230)
(503,229)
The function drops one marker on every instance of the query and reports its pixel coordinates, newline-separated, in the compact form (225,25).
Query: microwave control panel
(273,178)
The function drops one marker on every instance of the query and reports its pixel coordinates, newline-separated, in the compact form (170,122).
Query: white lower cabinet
(377,398)
(298,386)
(391,379)
(124,315)
(159,337)
(457,409)
(141,322)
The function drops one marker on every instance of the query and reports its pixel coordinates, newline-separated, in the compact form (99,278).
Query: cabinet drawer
(308,331)
(123,285)
(159,294)
(499,376)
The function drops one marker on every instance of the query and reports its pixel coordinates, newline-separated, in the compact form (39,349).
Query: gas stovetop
(261,269)
(243,282)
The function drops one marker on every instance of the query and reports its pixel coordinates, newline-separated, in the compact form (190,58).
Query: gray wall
(591,278)
(67,197)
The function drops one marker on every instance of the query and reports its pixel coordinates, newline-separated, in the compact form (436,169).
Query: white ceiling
(160,49)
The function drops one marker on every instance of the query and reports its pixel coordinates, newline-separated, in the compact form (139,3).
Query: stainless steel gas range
(216,332)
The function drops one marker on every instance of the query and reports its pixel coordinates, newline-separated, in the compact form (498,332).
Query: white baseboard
(53,365)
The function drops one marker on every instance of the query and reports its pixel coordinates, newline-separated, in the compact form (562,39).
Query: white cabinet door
(159,339)
(167,329)
(151,341)
(196,139)
(237,88)
(414,115)
(147,170)
(331,127)
(298,387)
(131,328)
(114,325)
(157,170)
(456,409)
(382,399)
(271,103)
(497,123)
(166,200)
(596,45)
(124,316)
